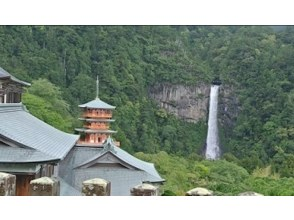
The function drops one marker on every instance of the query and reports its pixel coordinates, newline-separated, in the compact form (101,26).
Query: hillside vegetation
(62,63)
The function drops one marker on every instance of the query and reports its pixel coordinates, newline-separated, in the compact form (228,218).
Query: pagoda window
(96,138)
(92,136)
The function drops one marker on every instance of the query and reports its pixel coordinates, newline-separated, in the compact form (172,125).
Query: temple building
(11,88)
(97,116)
(97,155)
(30,148)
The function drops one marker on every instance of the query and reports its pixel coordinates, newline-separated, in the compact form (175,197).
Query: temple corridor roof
(24,130)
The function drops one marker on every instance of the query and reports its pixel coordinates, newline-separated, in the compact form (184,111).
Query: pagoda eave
(92,131)
(96,120)
(87,144)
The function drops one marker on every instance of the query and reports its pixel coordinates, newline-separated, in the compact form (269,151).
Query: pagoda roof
(97,103)
(97,119)
(86,130)
(5,75)
(21,129)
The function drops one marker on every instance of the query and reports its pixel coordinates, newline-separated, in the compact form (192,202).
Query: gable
(107,160)
(12,152)
(10,143)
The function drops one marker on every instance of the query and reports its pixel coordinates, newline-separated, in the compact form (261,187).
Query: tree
(44,100)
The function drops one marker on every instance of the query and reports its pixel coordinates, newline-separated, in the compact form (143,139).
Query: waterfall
(212,142)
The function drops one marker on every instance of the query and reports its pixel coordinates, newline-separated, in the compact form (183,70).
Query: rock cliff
(186,102)
(190,103)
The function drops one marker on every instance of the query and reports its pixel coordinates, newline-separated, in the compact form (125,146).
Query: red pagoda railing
(95,115)
(99,127)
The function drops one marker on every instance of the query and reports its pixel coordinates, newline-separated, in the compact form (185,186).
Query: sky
(151,12)
(142,12)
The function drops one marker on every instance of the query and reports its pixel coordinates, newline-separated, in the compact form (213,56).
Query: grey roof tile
(97,119)
(21,155)
(5,74)
(126,157)
(97,103)
(86,130)
(20,126)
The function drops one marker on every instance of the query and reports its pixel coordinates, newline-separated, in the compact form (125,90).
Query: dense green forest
(62,63)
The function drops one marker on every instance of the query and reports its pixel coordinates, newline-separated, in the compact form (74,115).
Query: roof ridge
(4,71)
(110,147)
(97,103)
(6,74)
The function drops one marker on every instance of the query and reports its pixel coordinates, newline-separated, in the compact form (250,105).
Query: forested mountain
(62,63)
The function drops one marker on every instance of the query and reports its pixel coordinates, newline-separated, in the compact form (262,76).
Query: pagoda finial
(97,88)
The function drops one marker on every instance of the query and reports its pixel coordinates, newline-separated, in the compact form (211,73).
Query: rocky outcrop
(190,103)
(228,107)
(186,102)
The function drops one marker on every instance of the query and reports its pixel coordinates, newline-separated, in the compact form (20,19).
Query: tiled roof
(125,172)
(5,74)
(109,146)
(86,130)
(22,155)
(19,126)
(97,119)
(97,103)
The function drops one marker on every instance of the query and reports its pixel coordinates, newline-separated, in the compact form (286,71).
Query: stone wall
(96,187)
(145,190)
(45,186)
(7,184)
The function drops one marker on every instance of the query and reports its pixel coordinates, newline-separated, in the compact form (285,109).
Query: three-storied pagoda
(96,116)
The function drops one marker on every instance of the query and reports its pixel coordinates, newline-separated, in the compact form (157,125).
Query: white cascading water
(212,142)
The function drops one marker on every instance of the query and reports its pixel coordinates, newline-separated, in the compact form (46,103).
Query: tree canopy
(62,63)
